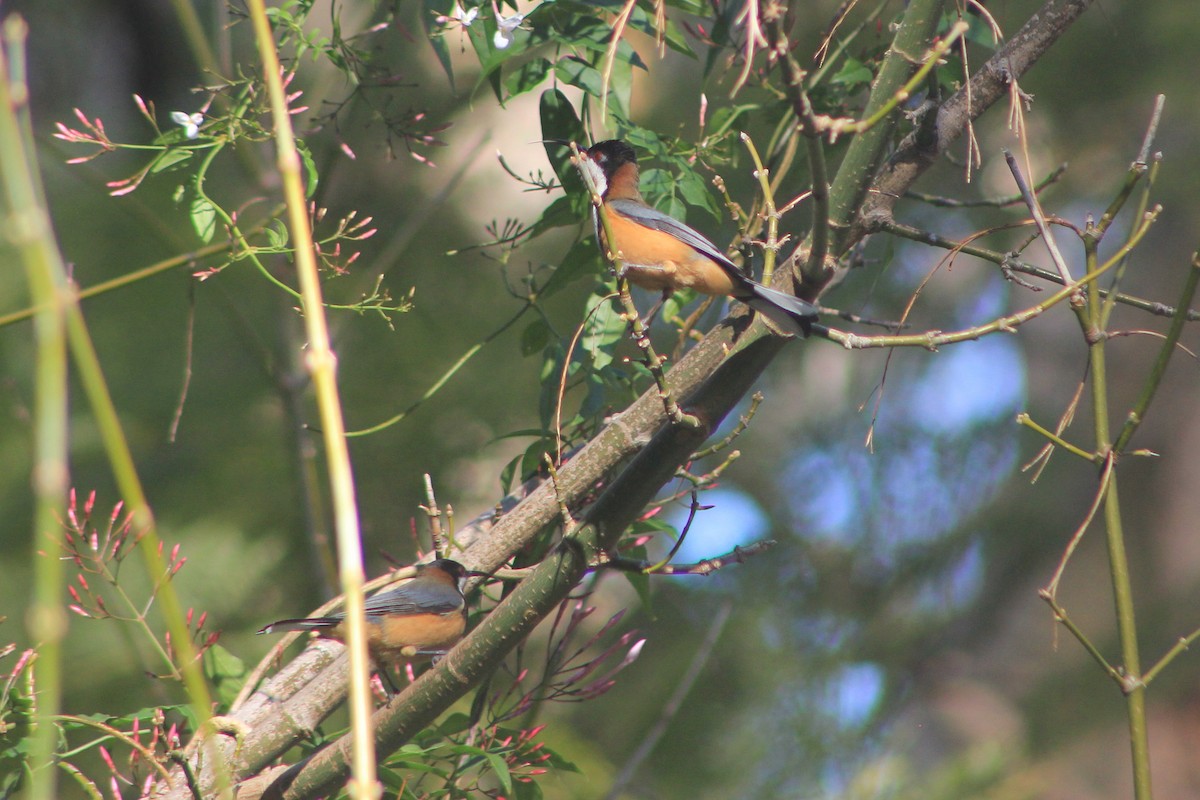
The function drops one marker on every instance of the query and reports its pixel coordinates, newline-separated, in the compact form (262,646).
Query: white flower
(190,122)
(505,27)
(465,18)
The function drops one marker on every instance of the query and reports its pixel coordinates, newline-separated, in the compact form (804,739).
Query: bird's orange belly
(390,636)
(658,261)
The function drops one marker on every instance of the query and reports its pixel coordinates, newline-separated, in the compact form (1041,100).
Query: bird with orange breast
(658,252)
(420,619)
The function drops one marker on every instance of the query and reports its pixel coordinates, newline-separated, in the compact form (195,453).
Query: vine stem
(322,365)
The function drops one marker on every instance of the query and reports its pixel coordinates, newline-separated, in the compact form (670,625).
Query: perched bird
(419,619)
(658,252)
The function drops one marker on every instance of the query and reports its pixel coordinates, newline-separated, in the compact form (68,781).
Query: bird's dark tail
(787,311)
(309,624)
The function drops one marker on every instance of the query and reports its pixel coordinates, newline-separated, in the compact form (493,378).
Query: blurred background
(891,644)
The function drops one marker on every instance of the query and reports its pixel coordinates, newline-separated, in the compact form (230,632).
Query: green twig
(322,365)
(1180,646)
(1009,263)
(1081,529)
(928,62)
(437,385)
(1027,421)
(1061,615)
(868,149)
(1135,691)
(931,340)
(1154,379)
(770,212)
(27,229)
(121,281)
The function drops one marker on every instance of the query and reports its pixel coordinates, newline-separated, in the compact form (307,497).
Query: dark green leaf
(695,192)
(576,72)
(534,337)
(560,213)
(582,259)
(168,159)
(527,77)
(852,74)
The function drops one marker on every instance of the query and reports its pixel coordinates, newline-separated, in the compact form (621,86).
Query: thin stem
(1027,421)
(1179,647)
(1101,490)
(802,109)
(1115,536)
(121,281)
(931,60)
(437,385)
(1039,218)
(984,202)
(931,340)
(674,702)
(770,212)
(1061,615)
(1009,263)
(1154,380)
(322,365)
(27,229)
(867,150)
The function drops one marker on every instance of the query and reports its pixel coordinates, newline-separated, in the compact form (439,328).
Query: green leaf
(437,38)
(580,260)
(310,170)
(560,122)
(852,74)
(168,159)
(657,183)
(603,328)
(500,768)
(695,192)
(277,235)
(574,71)
(558,214)
(225,671)
(535,337)
(527,77)
(203,215)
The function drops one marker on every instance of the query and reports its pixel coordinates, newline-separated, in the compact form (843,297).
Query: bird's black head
(611,155)
(454,569)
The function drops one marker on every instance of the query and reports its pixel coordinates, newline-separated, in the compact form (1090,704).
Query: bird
(422,618)
(658,252)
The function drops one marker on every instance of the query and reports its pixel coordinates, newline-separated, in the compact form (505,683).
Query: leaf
(225,671)
(558,214)
(168,159)
(695,191)
(535,337)
(203,215)
(852,74)
(580,260)
(527,77)
(438,39)
(310,170)
(604,327)
(574,71)
(561,123)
